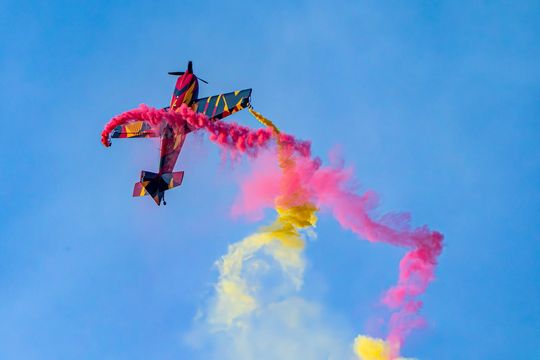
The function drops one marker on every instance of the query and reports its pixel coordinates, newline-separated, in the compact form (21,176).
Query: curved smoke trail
(304,187)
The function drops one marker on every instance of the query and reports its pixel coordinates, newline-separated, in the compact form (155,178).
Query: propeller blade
(179,73)
(204,81)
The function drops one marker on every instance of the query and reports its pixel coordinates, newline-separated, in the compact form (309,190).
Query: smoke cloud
(297,185)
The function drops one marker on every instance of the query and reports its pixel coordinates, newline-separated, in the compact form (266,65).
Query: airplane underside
(155,185)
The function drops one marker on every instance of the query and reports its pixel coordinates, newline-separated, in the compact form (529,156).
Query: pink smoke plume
(331,188)
(229,136)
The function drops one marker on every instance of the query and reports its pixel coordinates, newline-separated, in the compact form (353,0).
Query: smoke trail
(304,187)
(229,136)
(329,188)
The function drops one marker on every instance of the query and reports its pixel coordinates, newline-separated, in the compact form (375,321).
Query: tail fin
(155,184)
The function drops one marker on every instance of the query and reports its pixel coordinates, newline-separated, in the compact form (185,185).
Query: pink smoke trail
(229,136)
(416,268)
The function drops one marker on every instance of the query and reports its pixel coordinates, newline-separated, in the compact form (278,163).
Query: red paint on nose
(185,91)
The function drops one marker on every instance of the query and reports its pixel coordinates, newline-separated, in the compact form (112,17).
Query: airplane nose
(190,67)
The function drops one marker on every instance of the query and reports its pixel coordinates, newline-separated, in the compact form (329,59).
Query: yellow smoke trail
(282,240)
(266,122)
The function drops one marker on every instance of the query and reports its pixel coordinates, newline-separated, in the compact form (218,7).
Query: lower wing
(135,129)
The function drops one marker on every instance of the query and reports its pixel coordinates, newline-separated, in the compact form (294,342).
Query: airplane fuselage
(186,92)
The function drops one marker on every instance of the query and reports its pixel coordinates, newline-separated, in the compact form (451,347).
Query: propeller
(180,73)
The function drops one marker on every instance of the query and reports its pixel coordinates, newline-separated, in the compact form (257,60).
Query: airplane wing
(135,129)
(222,105)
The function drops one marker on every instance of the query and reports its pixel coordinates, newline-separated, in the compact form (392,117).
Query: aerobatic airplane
(186,91)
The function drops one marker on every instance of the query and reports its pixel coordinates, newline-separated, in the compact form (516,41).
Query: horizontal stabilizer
(139,189)
(173,179)
(156,184)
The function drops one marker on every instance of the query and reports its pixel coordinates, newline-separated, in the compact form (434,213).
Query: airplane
(186,92)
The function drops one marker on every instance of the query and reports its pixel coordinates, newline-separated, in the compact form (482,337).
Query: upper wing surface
(219,106)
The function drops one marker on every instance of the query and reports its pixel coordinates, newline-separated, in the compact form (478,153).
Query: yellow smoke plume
(368,348)
(282,240)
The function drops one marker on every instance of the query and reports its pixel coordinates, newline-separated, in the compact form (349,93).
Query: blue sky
(434,103)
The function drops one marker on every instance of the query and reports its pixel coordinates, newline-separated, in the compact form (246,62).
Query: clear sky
(436,104)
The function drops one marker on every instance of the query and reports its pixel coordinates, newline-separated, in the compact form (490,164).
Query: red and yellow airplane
(186,91)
